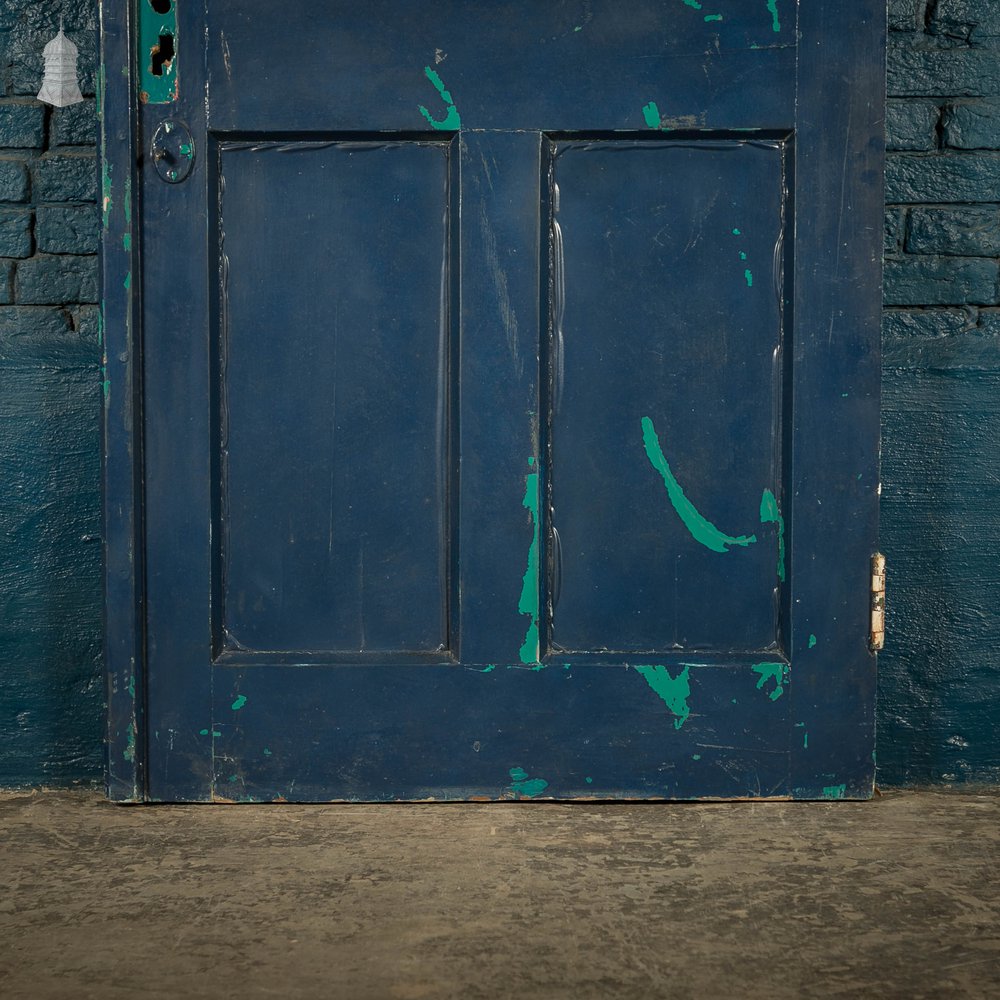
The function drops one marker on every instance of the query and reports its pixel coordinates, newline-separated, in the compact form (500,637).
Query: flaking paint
(452,121)
(702,530)
(672,691)
(528,603)
(770,513)
(776,672)
(524,787)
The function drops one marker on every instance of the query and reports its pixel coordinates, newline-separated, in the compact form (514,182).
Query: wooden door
(492,408)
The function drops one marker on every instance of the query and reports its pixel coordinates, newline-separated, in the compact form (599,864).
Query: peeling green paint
(770,513)
(812,640)
(241,700)
(737,232)
(528,603)
(748,274)
(131,688)
(805,741)
(651,113)
(589,781)
(692,3)
(128,280)
(713,17)
(772,6)
(524,787)
(129,752)
(452,121)
(835,791)
(267,753)
(672,691)
(696,756)
(777,672)
(701,529)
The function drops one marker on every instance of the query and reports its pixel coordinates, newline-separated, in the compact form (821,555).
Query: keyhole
(160,6)
(162,54)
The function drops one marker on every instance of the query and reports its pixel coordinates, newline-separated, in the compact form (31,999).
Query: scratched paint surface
(657,495)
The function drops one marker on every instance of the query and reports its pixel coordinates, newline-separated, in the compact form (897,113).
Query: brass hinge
(878,602)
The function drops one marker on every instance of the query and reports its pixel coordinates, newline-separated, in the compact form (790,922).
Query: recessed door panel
(666,364)
(333,388)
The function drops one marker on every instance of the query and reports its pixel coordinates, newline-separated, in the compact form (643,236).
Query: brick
(973,126)
(67,229)
(906,15)
(942,178)
(32,321)
(916,71)
(966,231)
(75,125)
(65,178)
(933,281)
(22,125)
(904,324)
(13,181)
(34,333)
(6,281)
(893,230)
(15,233)
(56,280)
(911,124)
(969,20)
(87,321)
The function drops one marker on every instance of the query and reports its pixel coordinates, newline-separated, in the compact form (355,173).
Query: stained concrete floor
(898,897)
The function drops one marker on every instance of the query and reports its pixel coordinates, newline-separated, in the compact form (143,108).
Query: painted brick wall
(50,585)
(940,673)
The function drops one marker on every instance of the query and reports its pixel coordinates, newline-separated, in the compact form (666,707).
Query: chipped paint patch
(129,752)
(672,691)
(772,6)
(713,17)
(812,641)
(106,194)
(701,529)
(524,787)
(651,114)
(452,121)
(835,791)
(770,513)
(777,672)
(528,603)
(748,276)
(240,701)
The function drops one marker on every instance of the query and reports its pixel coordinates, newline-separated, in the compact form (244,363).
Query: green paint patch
(672,691)
(835,791)
(589,781)
(713,17)
(771,514)
(748,275)
(203,732)
(452,121)
(696,756)
(131,688)
(693,4)
(737,232)
(776,672)
(241,700)
(128,280)
(267,753)
(129,752)
(701,529)
(127,241)
(812,641)
(528,603)
(772,6)
(651,114)
(805,741)
(524,787)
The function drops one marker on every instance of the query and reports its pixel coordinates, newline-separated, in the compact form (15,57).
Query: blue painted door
(510,398)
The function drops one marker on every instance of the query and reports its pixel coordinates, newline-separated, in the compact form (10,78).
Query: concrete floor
(894,898)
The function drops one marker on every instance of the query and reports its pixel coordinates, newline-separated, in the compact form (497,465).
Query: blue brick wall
(940,673)
(50,583)
(939,686)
